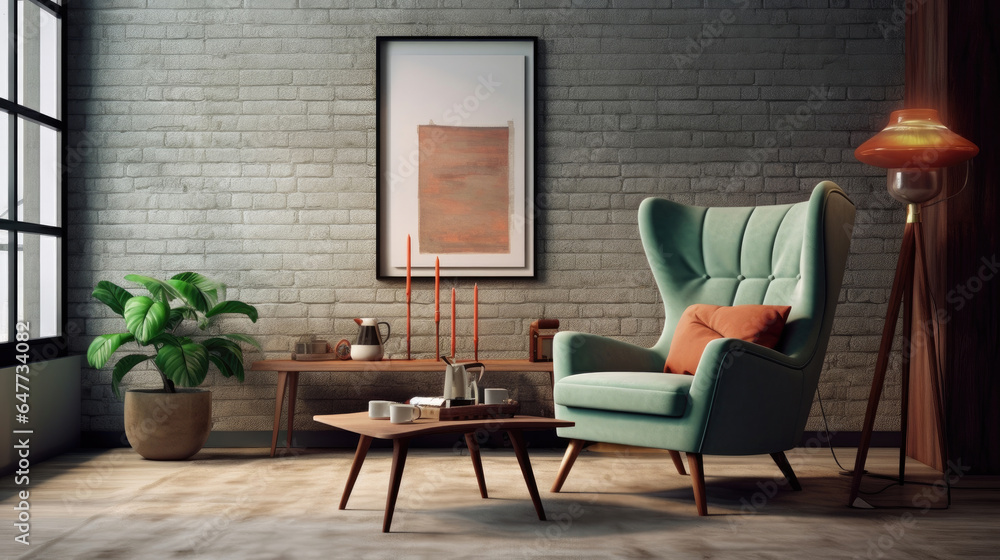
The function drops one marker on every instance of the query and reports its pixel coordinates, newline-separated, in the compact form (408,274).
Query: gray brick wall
(236,138)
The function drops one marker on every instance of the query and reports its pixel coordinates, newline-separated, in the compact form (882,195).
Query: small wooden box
(540,343)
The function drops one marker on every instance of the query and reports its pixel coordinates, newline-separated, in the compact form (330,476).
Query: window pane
(4,50)
(4,287)
(38,191)
(38,59)
(4,154)
(39,283)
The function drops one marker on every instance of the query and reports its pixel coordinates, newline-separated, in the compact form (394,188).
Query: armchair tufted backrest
(791,254)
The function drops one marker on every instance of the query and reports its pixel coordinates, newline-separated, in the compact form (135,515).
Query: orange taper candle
(475,320)
(453,322)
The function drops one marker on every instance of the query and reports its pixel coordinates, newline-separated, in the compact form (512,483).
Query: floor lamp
(914,147)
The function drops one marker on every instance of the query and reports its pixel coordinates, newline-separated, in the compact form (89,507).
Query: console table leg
(399,448)
(278,401)
(359,459)
(293,387)
(517,438)
(477,462)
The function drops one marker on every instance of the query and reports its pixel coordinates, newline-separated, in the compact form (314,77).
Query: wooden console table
(288,376)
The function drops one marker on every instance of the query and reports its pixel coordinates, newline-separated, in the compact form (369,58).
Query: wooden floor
(237,503)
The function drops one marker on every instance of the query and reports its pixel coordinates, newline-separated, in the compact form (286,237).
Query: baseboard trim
(848,439)
(537,439)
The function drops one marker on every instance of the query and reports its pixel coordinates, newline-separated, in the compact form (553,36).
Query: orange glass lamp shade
(914,147)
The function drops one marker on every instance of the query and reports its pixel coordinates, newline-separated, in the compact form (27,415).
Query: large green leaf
(145,318)
(226,355)
(104,346)
(228,363)
(166,338)
(157,288)
(244,338)
(234,307)
(125,365)
(221,364)
(185,365)
(191,295)
(217,343)
(112,295)
(213,290)
(177,315)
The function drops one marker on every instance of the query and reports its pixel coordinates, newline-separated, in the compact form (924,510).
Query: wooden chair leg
(786,469)
(697,466)
(572,452)
(678,464)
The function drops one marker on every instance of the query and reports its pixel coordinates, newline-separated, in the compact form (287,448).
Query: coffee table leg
(278,401)
(399,447)
(477,462)
(517,438)
(359,459)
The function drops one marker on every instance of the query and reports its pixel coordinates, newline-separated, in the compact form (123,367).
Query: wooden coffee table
(400,434)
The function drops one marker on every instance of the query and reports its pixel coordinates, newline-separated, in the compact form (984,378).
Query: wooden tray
(314,357)
(478,411)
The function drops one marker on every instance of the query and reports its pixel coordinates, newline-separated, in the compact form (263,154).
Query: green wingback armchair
(744,399)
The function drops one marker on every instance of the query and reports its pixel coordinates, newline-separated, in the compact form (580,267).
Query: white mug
(495,396)
(379,409)
(403,413)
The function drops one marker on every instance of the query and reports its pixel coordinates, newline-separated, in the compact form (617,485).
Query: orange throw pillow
(703,323)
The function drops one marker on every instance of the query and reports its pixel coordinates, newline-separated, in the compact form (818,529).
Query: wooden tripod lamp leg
(937,393)
(904,397)
(904,274)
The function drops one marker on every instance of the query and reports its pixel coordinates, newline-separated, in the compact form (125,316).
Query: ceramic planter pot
(168,426)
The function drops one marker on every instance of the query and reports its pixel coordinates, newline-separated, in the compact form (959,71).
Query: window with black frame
(32,228)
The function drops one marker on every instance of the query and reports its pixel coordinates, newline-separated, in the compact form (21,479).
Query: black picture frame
(521,261)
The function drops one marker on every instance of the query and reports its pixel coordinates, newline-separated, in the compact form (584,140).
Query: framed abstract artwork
(455,143)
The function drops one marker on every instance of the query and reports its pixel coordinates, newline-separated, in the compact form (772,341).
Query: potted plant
(170,423)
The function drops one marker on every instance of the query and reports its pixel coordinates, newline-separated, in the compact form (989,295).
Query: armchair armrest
(738,380)
(575,352)
(728,353)
(744,359)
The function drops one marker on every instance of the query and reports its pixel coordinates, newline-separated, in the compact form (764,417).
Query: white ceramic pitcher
(459,383)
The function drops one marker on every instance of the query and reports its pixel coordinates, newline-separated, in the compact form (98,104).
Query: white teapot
(460,383)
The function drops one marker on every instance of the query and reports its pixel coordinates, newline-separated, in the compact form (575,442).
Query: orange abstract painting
(464,189)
